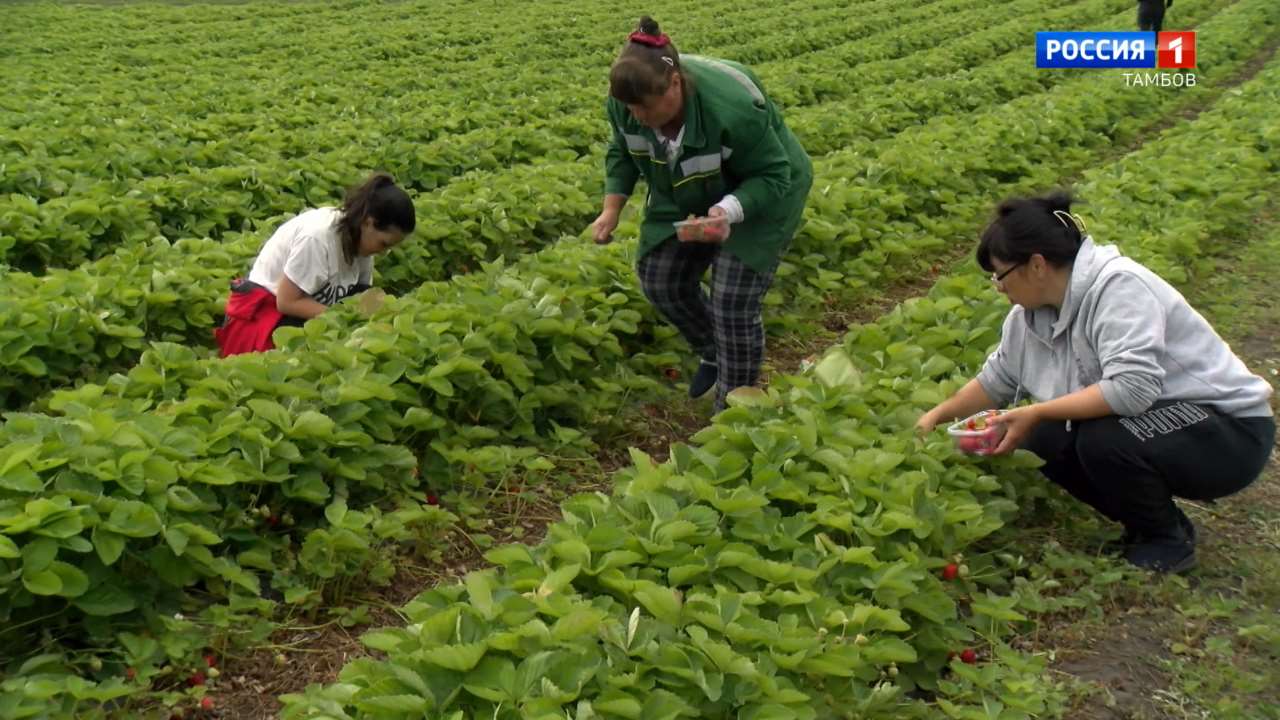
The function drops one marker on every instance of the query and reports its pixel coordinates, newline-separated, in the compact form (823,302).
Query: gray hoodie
(1130,332)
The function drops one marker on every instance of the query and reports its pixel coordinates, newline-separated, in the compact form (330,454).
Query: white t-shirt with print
(308,250)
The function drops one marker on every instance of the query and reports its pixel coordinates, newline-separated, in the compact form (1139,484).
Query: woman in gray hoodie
(1137,400)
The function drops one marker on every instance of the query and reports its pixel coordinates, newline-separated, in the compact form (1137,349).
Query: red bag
(251,318)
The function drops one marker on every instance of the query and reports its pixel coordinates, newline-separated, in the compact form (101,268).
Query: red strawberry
(206,704)
(950,571)
(130,673)
(210,661)
(672,374)
(969,656)
(274,520)
(433,500)
(196,679)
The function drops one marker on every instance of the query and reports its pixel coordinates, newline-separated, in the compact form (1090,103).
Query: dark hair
(642,71)
(378,198)
(1028,226)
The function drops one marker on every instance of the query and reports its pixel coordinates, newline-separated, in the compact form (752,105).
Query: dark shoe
(704,379)
(1133,537)
(1117,547)
(1163,555)
(1187,526)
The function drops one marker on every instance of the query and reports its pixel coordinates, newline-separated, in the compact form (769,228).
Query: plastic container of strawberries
(976,435)
(707,228)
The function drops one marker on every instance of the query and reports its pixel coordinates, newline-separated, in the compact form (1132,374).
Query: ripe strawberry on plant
(950,571)
(969,657)
(196,679)
(672,374)
(433,500)
(206,703)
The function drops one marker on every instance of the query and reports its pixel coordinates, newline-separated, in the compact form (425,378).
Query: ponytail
(645,65)
(378,198)
(1032,226)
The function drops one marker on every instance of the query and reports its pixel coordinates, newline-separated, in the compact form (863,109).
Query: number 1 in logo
(1176,50)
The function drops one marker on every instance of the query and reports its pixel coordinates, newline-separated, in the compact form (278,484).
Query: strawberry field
(486,494)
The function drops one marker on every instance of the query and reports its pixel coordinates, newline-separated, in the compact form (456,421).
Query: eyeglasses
(999,278)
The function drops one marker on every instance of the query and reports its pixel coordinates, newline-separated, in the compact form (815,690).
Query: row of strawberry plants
(784,565)
(102,315)
(478,218)
(80,218)
(170,144)
(778,564)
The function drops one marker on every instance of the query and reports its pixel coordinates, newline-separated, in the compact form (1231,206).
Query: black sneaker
(704,379)
(1187,526)
(1117,547)
(1163,555)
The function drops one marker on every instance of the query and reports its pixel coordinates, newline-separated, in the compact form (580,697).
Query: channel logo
(1081,49)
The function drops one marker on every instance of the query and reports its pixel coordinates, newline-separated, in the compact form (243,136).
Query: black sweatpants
(1131,468)
(1150,15)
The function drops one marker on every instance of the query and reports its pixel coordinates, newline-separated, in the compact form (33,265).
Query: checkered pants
(723,327)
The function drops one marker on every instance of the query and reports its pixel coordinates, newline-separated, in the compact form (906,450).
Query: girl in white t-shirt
(313,261)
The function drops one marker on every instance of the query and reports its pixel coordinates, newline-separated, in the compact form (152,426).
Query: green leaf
(312,424)
(454,657)
(308,485)
(198,533)
(22,480)
(620,704)
(509,555)
(108,545)
(662,602)
(559,579)
(415,704)
(836,369)
(769,712)
(271,411)
(15,454)
(664,705)
(336,511)
(177,540)
(480,586)
(8,548)
(493,680)
(38,554)
(581,622)
(104,600)
(74,582)
(31,365)
(387,641)
(134,519)
(43,582)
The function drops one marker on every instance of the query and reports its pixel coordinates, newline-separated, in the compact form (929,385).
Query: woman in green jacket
(708,143)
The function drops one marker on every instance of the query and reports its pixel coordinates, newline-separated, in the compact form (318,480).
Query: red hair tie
(654,41)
